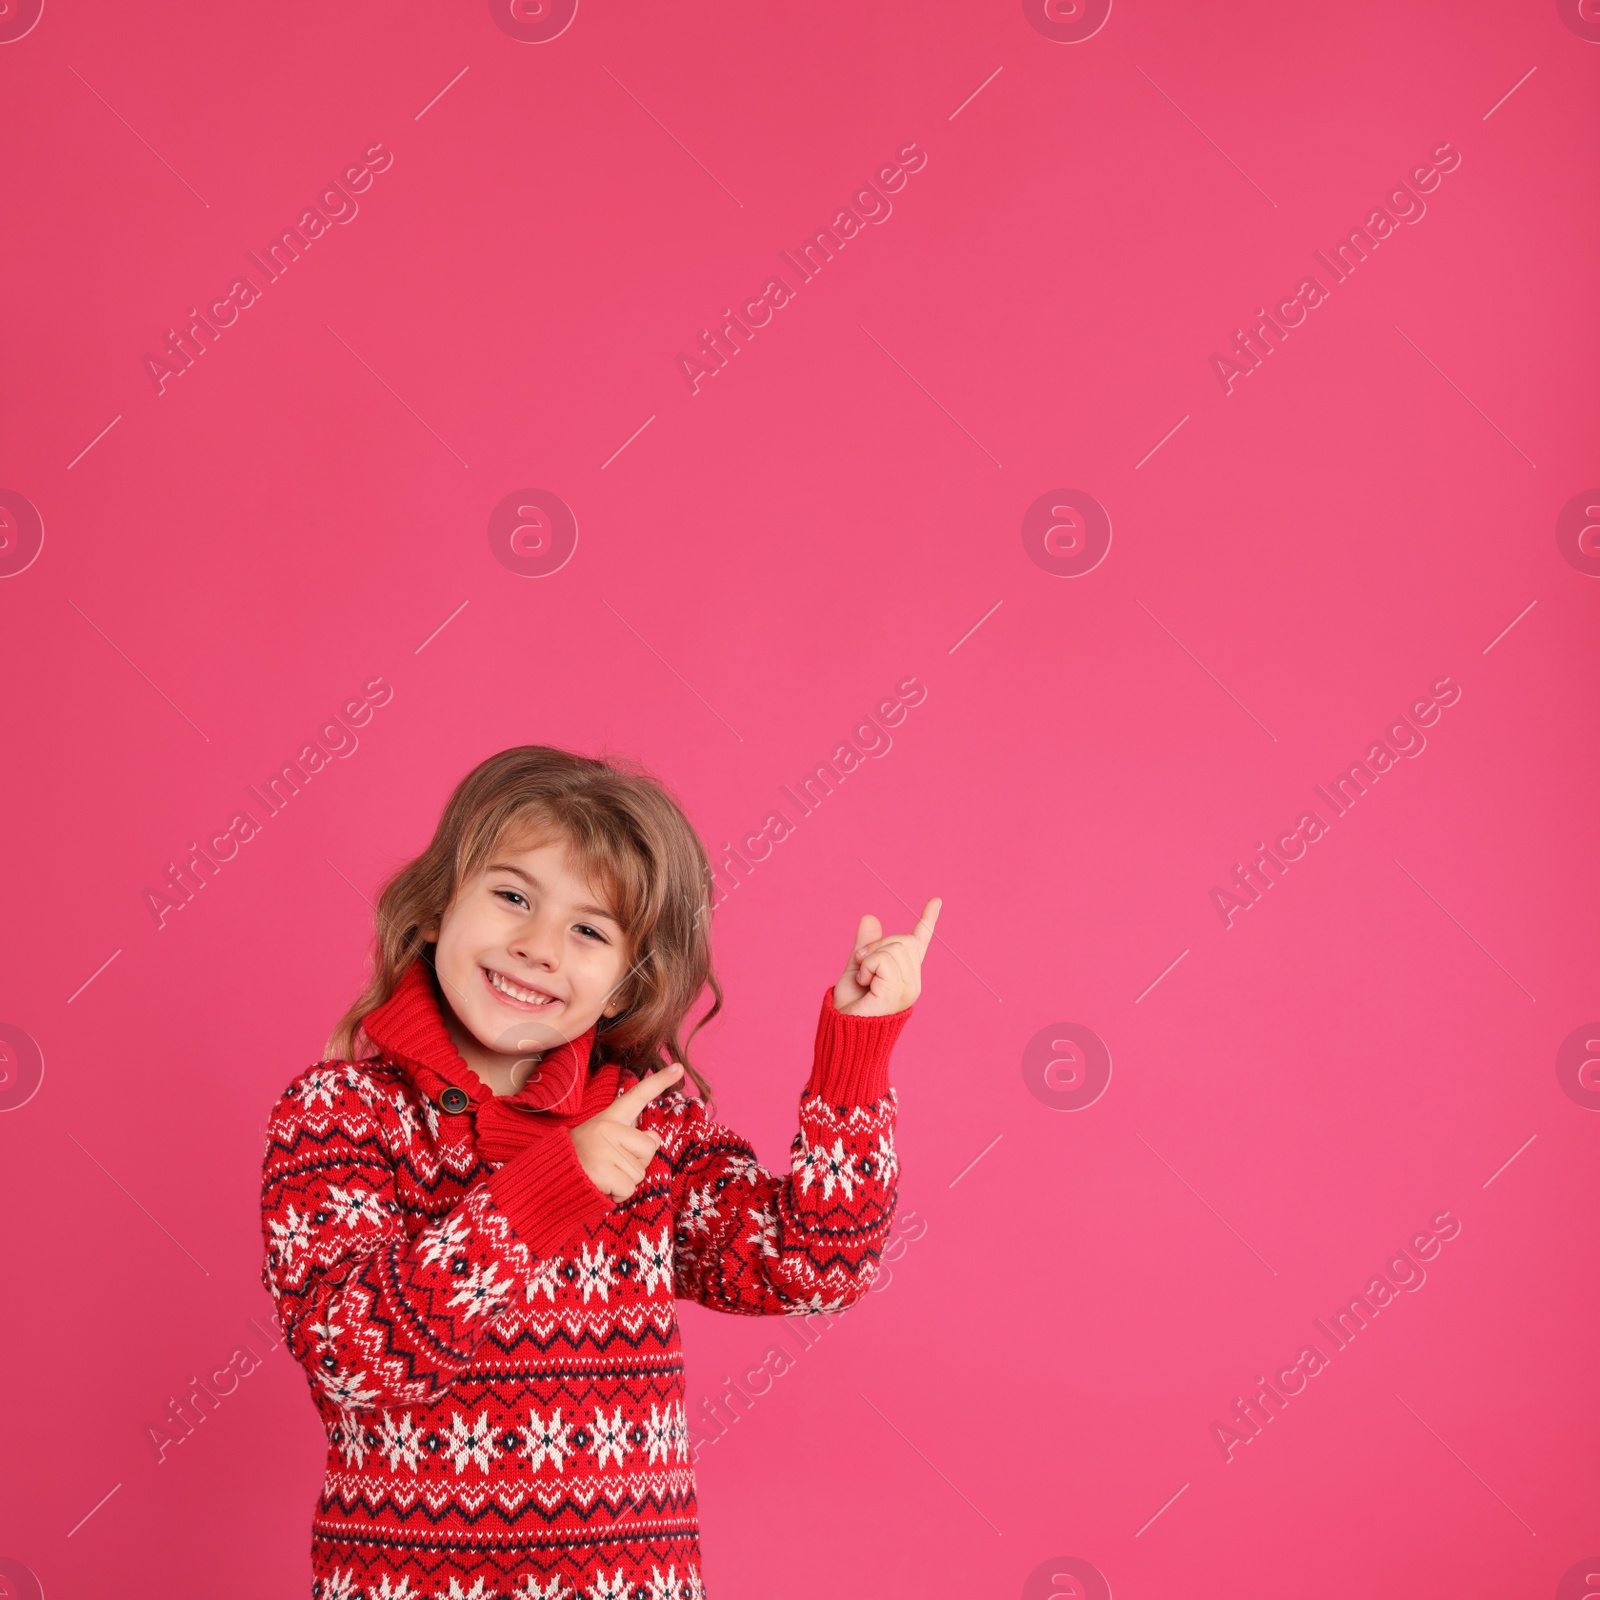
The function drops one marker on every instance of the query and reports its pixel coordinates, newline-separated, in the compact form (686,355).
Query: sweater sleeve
(376,1317)
(752,1244)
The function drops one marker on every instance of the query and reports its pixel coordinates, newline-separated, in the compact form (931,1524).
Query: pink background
(839,508)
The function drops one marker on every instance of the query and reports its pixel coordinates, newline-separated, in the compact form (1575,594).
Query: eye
(584,927)
(512,894)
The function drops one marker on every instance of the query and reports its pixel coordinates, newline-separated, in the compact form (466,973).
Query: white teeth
(527,996)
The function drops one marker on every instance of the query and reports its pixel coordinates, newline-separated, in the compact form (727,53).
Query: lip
(510,1002)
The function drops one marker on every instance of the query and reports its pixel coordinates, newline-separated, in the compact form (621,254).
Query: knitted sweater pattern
(493,1346)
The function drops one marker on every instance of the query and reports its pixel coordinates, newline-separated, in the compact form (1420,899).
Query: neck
(503,1074)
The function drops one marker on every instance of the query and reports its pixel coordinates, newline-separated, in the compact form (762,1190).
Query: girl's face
(528,956)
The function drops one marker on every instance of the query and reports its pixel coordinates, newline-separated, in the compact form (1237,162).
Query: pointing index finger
(923,932)
(629,1105)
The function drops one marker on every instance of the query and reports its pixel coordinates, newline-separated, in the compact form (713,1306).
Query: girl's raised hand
(611,1149)
(885,975)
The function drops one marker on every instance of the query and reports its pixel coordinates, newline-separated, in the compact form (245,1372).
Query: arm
(377,1318)
(752,1244)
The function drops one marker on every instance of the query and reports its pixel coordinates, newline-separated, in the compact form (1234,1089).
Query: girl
(479,1210)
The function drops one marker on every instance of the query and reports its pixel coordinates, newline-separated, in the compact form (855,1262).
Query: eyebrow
(533,882)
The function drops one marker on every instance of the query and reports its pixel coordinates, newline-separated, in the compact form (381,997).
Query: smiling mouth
(515,994)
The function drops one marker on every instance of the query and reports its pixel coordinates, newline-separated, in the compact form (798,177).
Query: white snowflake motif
(831,1166)
(596,1275)
(481,1290)
(667,1434)
(545,1276)
(740,1167)
(456,1592)
(663,1588)
(407,1116)
(610,1436)
(400,1441)
(547,1439)
(324,1333)
(655,1259)
(351,1436)
(362,1084)
(693,1587)
(888,1161)
(447,1239)
(470,1442)
(290,1235)
(338,1586)
(321,1084)
(532,1589)
(354,1206)
(699,1209)
(343,1387)
(766,1221)
(802,1308)
(604,1588)
(430,1115)
(393,1591)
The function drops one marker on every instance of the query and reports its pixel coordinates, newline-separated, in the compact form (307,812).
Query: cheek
(447,937)
(608,963)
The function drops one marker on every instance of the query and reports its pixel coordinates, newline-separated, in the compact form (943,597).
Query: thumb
(869,930)
(627,1107)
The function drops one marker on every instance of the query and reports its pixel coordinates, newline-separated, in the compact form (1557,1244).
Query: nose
(538,942)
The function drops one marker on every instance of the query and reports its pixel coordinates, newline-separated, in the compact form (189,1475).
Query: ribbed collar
(409,1029)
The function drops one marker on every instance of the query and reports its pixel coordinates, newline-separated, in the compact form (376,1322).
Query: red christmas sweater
(493,1345)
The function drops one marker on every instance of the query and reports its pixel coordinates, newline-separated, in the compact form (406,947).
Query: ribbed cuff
(546,1193)
(850,1065)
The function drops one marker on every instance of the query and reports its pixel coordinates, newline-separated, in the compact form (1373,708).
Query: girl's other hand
(611,1149)
(882,975)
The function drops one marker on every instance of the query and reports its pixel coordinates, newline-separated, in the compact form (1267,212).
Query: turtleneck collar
(409,1028)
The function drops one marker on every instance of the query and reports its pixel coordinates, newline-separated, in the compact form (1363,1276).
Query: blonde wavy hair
(626,833)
